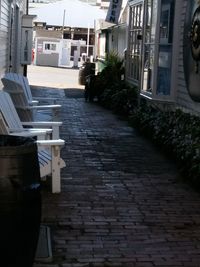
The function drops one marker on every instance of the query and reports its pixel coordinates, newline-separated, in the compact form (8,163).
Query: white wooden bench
(48,150)
(25,110)
(17,77)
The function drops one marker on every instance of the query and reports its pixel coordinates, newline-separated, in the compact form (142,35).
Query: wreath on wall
(191,49)
(195,37)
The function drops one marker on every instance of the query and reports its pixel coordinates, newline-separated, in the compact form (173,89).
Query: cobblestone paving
(121,204)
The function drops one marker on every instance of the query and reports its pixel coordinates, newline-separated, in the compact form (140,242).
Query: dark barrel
(20,200)
(88,68)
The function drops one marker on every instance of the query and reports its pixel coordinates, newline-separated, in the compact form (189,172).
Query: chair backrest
(19,78)
(19,99)
(9,112)
(3,125)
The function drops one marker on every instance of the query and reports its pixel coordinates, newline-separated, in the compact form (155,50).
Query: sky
(77,13)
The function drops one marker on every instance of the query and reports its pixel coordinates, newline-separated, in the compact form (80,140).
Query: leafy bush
(105,98)
(124,101)
(111,90)
(177,133)
(110,75)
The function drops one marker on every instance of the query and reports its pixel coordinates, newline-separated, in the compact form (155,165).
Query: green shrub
(175,132)
(110,76)
(111,90)
(124,100)
(105,98)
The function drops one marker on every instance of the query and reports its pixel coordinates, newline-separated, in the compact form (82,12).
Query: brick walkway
(121,204)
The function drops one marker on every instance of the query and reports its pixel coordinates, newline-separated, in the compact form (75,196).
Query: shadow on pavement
(54,92)
(74,93)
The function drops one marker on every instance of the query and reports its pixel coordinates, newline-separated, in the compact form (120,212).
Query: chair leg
(56,183)
(55,114)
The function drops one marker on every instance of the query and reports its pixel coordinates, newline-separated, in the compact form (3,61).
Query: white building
(104,4)
(163,54)
(56,52)
(15,32)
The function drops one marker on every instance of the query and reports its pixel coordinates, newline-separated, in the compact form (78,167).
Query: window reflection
(165,47)
(164,70)
(148,67)
(149,45)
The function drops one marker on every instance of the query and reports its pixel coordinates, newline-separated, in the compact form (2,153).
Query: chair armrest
(58,142)
(33,102)
(39,107)
(46,130)
(39,98)
(54,125)
(42,123)
(46,107)
(40,135)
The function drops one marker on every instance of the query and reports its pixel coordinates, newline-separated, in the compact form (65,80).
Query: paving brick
(121,204)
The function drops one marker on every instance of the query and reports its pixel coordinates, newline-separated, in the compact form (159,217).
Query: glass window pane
(149,51)
(166,21)
(134,49)
(164,70)
(149,45)
(165,47)
(154,20)
(53,47)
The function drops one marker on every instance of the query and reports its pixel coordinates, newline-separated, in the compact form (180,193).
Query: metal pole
(25,66)
(63,23)
(88,40)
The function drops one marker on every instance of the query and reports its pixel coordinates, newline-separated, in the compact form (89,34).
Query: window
(50,46)
(151,9)
(102,45)
(165,47)
(157,48)
(135,42)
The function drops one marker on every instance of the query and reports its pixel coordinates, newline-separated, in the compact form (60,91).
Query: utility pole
(63,23)
(88,40)
(25,66)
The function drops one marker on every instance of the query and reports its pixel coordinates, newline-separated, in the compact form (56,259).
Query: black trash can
(20,200)
(90,92)
(88,68)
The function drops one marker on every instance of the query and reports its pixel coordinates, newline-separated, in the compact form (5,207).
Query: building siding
(4,30)
(10,53)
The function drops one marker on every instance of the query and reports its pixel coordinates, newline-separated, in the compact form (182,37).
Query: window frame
(50,51)
(134,50)
(158,42)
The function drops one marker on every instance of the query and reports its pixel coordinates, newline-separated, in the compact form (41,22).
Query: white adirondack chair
(14,124)
(27,90)
(25,110)
(48,155)
(3,126)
